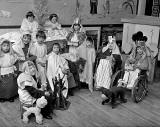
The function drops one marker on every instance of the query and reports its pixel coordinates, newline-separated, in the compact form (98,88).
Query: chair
(140,87)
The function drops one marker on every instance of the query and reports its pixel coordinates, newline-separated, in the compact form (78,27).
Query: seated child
(54,29)
(112,95)
(28,91)
(133,65)
(29,24)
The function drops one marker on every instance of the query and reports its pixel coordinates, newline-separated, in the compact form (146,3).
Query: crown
(77,20)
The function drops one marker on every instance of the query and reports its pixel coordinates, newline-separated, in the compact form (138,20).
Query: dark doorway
(148,10)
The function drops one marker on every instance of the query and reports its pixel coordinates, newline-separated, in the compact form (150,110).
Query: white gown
(55,65)
(40,51)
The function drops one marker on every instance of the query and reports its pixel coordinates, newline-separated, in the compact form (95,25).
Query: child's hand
(42,64)
(65,71)
(47,93)
(135,67)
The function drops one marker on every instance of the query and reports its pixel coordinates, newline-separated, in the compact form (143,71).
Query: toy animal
(40,103)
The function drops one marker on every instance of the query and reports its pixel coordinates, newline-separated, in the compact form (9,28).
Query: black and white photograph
(79,63)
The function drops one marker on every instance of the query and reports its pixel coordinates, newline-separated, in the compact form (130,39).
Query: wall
(66,10)
(18,9)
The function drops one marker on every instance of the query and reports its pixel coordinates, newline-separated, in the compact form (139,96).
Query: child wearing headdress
(134,65)
(76,36)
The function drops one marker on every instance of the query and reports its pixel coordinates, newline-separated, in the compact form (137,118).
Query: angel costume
(56,65)
(87,74)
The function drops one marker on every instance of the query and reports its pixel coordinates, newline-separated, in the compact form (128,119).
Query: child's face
(54,20)
(30,19)
(89,44)
(76,27)
(139,51)
(40,40)
(26,39)
(111,45)
(56,49)
(32,70)
(5,47)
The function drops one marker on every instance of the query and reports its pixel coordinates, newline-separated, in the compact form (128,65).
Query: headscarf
(115,49)
(2,40)
(25,67)
(26,76)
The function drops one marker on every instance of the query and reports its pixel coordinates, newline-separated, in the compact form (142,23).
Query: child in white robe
(87,74)
(39,50)
(29,24)
(57,65)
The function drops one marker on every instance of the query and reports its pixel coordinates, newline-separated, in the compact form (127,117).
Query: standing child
(39,50)
(57,65)
(87,74)
(29,24)
(22,49)
(8,86)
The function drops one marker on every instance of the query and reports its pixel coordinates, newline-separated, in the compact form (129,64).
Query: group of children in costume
(29,70)
(28,64)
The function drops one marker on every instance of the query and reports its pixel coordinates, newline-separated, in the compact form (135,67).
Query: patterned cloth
(104,72)
(8,86)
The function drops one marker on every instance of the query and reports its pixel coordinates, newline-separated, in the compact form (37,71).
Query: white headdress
(77,21)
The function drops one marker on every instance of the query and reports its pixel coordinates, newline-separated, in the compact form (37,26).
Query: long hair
(2,41)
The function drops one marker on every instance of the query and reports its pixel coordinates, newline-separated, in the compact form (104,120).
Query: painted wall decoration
(41,10)
(106,7)
(5,14)
(93,6)
(108,11)
(128,4)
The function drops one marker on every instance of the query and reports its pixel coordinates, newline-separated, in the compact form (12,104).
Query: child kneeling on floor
(113,94)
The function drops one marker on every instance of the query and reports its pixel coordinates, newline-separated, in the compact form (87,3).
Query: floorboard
(86,111)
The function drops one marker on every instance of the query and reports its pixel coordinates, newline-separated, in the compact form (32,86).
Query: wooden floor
(86,111)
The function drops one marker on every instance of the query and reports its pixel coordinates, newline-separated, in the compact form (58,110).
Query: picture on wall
(93,6)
